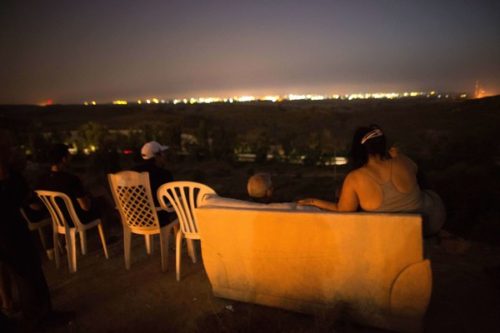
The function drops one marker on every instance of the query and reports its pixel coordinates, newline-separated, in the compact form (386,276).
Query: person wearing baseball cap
(152,149)
(154,162)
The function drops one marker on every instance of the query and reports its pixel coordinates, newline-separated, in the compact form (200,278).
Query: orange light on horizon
(46,102)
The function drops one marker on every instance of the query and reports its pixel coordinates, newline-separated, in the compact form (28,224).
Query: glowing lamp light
(156,100)
(73,150)
(120,102)
(93,103)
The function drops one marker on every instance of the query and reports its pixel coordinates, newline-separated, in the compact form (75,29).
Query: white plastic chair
(132,194)
(55,201)
(37,226)
(184,197)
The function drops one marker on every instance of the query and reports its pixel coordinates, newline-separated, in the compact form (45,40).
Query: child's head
(260,186)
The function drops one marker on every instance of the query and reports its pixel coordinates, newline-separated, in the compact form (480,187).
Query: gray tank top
(396,201)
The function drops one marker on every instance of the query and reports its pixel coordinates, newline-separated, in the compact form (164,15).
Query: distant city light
(295,97)
(47,102)
(244,99)
(271,98)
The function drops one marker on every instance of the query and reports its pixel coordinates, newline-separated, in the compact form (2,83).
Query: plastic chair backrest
(57,203)
(132,194)
(31,224)
(184,196)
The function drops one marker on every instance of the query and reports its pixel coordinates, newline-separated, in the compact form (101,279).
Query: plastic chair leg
(55,238)
(42,238)
(148,240)
(191,249)
(71,249)
(164,235)
(126,246)
(103,240)
(178,241)
(83,241)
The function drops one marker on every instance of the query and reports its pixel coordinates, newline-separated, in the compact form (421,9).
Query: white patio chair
(132,195)
(57,203)
(184,197)
(37,226)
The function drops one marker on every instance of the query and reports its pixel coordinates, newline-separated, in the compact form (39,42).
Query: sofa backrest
(214,200)
(301,260)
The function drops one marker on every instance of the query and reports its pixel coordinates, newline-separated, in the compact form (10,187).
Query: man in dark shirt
(60,180)
(18,255)
(155,161)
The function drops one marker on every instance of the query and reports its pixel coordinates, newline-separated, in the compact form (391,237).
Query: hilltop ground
(108,298)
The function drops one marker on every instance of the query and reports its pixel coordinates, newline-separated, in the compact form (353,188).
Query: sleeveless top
(396,201)
(426,202)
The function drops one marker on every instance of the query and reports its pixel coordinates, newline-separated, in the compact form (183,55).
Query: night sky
(72,51)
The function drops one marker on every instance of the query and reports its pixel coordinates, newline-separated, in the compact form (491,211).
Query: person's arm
(81,196)
(322,204)
(348,201)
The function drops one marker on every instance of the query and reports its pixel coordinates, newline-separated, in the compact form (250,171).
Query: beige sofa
(369,266)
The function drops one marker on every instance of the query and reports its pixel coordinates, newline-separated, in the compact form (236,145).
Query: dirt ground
(108,298)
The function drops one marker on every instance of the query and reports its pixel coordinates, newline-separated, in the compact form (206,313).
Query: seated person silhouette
(154,162)
(59,180)
(260,191)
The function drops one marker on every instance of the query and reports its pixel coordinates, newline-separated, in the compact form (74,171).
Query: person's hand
(306,202)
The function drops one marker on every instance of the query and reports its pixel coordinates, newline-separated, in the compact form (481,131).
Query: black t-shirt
(16,247)
(66,183)
(157,176)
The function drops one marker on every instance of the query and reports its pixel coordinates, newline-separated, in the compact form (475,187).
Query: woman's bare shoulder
(356,176)
(405,161)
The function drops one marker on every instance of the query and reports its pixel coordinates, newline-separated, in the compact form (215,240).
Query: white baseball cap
(151,148)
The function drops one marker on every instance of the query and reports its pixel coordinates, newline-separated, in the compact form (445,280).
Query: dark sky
(71,51)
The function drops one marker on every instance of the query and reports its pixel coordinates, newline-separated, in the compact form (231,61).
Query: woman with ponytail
(382,181)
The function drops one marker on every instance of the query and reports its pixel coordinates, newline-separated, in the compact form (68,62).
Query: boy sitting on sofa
(260,188)
(260,192)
